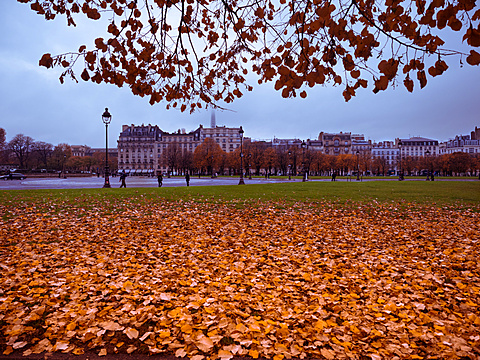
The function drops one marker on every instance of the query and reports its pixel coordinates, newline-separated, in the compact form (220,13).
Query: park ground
(374,270)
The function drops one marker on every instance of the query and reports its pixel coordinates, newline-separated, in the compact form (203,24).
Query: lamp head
(106,117)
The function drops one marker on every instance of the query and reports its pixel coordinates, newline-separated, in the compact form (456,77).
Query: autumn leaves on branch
(188,53)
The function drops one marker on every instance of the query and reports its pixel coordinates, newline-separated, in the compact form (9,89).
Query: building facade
(342,143)
(336,144)
(461,143)
(227,138)
(147,150)
(417,147)
(388,153)
(84,150)
(361,145)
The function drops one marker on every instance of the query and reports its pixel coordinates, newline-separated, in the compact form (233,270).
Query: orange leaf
(473,58)
(46,61)
(355,73)
(408,84)
(382,83)
(422,78)
(85,76)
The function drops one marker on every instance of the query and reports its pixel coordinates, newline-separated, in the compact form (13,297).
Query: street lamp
(400,176)
(106,118)
(358,166)
(289,165)
(241,182)
(303,161)
(64,160)
(427,157)
(249,161)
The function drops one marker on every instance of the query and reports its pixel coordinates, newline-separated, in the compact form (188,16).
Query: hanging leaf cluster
(187,52)
(217,280)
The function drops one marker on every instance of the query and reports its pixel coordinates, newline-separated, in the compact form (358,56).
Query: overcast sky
(34,103)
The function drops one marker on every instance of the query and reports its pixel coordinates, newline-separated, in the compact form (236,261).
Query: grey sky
(33,102)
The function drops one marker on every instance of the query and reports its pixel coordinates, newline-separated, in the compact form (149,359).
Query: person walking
(160,179)
(187,178)
(123,176)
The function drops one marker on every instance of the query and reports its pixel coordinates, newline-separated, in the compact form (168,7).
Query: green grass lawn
(426,193)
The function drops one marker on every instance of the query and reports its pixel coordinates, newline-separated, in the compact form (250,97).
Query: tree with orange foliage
(188,53)
(269,159)
(208,156)
(460,163)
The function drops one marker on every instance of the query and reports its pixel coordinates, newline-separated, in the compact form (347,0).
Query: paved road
(134,182)
(94,182)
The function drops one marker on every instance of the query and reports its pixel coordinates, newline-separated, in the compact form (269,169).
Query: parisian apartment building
(463,143)
(388,152)
(144,148)
(417,147)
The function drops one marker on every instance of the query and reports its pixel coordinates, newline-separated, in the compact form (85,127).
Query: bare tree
(43,151)
(3,143)
(21,147)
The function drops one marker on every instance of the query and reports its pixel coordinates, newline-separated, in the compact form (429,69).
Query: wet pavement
(139,182)
(134,182)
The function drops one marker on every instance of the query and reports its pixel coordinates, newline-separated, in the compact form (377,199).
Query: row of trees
(27,154)
(209,158)
(259,159)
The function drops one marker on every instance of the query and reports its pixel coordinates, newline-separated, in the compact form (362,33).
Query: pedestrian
(334,176)
(123,176)
(160,179)
(432,178)
(187,178)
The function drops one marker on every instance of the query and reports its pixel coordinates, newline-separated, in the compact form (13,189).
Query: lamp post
(303,161)
(427,157)
(289,165)
(241,182)
(400,176)
(63,170)
(249,164)
(106,118)
(358,166)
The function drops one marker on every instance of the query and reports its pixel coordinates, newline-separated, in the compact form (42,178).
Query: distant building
(145,149)
(315,145)
(79,150)
(360,144)
(475,134)
(461,143)
(286,143)
(227,138)
(84,150)
(336,143)
(388,152)
(417,147)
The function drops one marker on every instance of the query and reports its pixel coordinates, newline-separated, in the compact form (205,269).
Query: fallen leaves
(259,280)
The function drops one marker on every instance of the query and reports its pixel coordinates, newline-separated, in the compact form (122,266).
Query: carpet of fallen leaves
(212,281)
